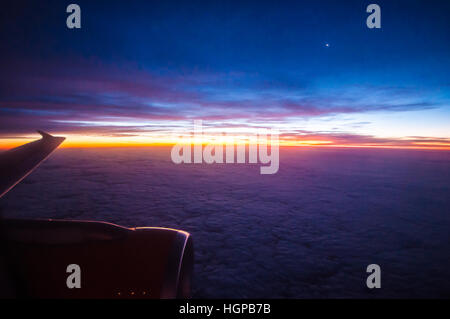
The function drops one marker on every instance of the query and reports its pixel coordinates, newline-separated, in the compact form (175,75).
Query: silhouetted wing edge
(19,162)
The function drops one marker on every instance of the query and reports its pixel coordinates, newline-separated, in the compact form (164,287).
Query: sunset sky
(140,73)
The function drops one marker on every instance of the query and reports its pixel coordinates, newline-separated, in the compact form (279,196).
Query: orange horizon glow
(123,142)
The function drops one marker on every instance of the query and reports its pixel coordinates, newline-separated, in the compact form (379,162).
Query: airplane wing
(17,163)
(142,262)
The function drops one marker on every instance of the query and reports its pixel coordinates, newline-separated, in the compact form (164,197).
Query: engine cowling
(114,261)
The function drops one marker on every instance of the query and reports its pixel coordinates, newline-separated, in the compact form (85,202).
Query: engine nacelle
(114,261)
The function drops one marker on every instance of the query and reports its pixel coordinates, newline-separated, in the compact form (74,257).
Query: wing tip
(44,134)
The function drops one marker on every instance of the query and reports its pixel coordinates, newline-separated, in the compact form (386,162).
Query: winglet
(44,134)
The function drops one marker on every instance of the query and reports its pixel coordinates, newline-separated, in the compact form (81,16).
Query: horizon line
(325,144)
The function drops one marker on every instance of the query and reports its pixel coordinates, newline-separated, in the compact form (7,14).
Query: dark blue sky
(232,62)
